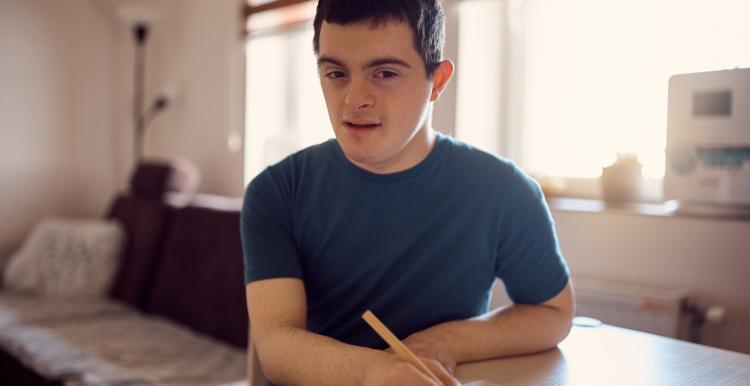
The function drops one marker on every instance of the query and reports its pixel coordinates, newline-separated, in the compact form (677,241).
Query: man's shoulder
(284,174)
(473,160)
(293,163)
(493,173)
(311,154)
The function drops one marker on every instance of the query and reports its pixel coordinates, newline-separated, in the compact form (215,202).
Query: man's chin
(355,147)
(360,157)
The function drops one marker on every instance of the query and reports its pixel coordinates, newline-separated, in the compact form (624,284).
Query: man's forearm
(293,356)
(513,330)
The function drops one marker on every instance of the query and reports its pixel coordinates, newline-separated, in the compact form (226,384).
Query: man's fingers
(441,372)
(405,371)
(406,374)
(428,349)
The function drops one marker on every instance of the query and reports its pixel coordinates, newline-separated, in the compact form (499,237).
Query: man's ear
(443,74)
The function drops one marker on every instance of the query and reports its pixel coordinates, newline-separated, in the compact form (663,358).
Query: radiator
(643,308)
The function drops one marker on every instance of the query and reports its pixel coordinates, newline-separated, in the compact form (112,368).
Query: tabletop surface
(615,356)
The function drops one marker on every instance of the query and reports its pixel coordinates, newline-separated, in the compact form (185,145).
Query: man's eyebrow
(372,63)
(387,60)
(327,59)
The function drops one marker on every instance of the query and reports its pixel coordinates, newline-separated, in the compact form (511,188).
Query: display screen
(712,103)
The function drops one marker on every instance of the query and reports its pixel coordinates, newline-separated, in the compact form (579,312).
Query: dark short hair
(425,17)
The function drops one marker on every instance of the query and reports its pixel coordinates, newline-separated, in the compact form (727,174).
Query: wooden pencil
(397,345)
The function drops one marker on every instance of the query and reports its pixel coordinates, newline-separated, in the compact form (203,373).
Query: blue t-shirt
(417,247)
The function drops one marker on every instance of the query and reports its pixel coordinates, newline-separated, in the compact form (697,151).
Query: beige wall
(709,257)
(56,112)
(66,102)
(195,48)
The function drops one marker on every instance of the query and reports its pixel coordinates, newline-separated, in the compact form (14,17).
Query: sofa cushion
(144,222)
(67,257)
(130,349)
(199,281)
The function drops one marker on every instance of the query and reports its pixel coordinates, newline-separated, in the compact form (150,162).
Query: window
(285,109)
(562,87)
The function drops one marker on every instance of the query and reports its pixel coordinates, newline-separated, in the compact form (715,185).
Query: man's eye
(385,74)
(335,74)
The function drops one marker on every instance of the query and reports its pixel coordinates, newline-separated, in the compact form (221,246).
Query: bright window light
(285,110)
(594,75)
(478,75)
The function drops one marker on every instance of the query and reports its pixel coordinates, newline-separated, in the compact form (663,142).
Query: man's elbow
(557,327)
(564,325)
(269,348)
(564,308)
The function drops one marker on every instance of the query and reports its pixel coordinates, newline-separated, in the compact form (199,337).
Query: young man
(392,216)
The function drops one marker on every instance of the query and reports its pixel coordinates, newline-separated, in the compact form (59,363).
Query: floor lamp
(140,20)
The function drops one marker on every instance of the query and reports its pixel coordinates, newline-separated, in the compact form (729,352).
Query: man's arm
(291,355)
(513,330)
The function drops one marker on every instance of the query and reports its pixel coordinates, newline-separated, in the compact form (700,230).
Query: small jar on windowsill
(622,181)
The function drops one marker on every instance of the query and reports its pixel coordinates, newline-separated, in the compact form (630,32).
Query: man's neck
(416,151)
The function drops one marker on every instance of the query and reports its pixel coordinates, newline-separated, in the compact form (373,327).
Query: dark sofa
(178,299)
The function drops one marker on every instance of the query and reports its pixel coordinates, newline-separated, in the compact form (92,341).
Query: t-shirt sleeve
(268,247)
(529,260)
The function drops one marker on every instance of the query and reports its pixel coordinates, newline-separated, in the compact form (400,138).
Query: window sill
(664,209)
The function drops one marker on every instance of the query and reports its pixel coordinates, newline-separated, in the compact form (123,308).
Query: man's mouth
(361,125)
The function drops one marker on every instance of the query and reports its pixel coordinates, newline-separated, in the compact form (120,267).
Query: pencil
(396,344)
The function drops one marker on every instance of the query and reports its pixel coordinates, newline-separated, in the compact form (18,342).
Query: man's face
(377,93)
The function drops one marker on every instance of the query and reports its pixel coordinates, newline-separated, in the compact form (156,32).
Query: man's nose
(358,94)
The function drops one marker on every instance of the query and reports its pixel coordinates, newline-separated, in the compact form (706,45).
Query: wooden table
(608,355)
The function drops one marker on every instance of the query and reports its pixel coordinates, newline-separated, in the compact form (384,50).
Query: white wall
(709,257)
(195,48)
(66,89)
(56,112)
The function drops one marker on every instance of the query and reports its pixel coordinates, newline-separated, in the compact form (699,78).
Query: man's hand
(393,372)
(424,347)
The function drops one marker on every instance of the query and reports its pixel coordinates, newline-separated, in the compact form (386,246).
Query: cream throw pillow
(67,257)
